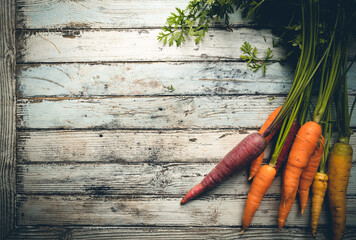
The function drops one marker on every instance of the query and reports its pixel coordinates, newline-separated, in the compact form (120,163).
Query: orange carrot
(307,176)
(256,164)
(302,149)
(259,187)
(284,208)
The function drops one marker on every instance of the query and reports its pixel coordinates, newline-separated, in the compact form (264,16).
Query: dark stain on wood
(71,33)
(77,25)
(143,31)
(21,42)
(97,190)
(224,135)
(243,131)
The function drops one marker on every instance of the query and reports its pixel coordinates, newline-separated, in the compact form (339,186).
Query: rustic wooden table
(94,145)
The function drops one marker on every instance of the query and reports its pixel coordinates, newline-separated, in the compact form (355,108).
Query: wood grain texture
(39,233)
(7,117)
(157,211)
(155,179)
(106,233)
(130,79)
(126,146)
(166,112)
(100,70)
(35,14)
(120,146)
(151,79)
(147,112)
(135,45)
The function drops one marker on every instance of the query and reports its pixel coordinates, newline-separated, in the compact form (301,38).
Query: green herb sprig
(250,54)
(194,20)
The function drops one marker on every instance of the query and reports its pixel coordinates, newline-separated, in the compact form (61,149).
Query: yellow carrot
(319,187)
(339,172)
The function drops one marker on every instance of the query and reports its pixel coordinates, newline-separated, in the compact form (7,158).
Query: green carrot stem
(286,126)
(327,131)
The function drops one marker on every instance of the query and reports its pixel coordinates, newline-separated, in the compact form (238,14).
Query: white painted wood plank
(135,45)
(166,112)
(126,146)
(229,233)
(99,13)
(153,211)
(207,146)
(111,179)
(147,112)
(193,78)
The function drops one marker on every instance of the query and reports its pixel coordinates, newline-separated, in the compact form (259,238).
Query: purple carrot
(238,158)
(283,155)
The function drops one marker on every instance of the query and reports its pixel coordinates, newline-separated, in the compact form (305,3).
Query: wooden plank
(7,117)
(112,179)
(192,78)
(39,233)
(133,79)
(120,146)
(36,14)
(126,146)
(104,233)
(201,233)
(166,112)
(147,112)
(155,211)
(135,45)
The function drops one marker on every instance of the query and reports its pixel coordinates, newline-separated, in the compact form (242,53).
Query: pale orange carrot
(256,164)
(307,176)
(319,187)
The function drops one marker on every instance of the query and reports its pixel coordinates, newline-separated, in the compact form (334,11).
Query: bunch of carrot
(303,144)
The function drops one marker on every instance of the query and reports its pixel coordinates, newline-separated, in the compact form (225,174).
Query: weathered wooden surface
(145,178)
(122,146)
(135,45)
(103,143)
(157,211)
(7,117)
(147,112)
(87,233)
(36,14)
(167,112)
(154,78)
(126,146)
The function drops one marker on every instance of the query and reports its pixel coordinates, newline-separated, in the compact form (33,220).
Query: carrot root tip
(302,212)
(250,178)
(193,193)
(243,231)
